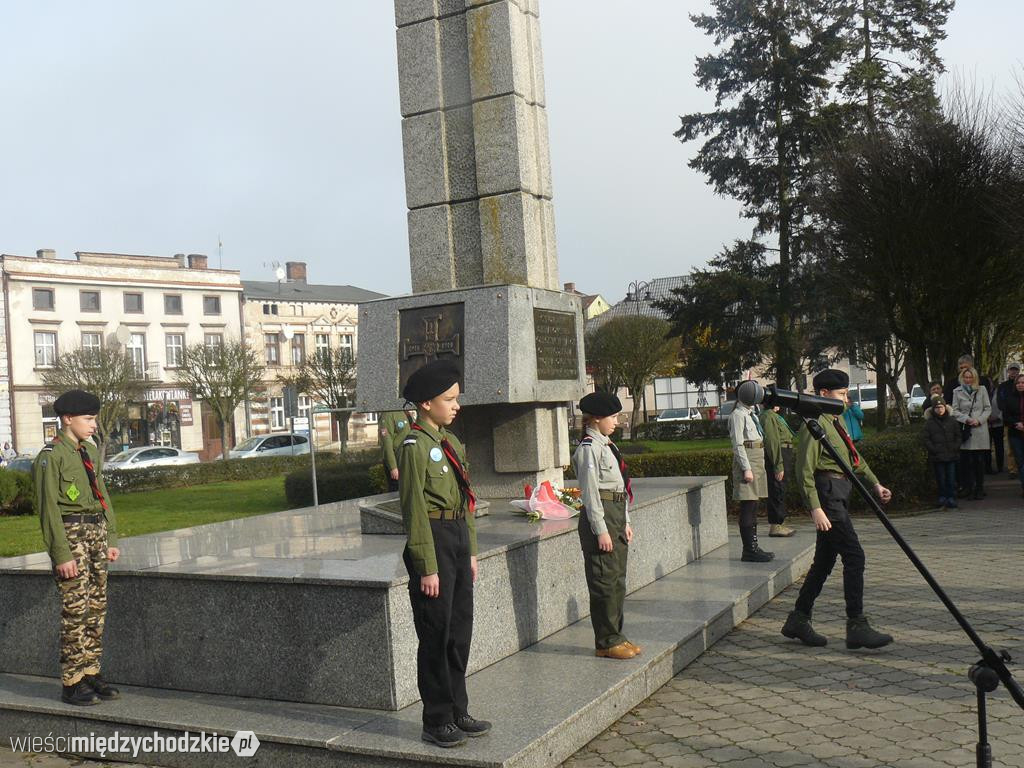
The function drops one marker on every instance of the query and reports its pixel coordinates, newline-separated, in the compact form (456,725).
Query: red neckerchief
(854,456)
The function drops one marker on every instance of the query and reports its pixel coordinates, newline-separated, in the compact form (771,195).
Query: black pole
(991,669)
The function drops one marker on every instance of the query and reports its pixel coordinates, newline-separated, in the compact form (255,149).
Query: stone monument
(481,242)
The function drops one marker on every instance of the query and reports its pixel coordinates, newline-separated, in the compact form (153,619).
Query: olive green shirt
(426,482)
(62,488)
(811,458)
(777,435)
(394,427)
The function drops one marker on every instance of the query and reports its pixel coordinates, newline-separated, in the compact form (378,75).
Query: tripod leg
(983,750)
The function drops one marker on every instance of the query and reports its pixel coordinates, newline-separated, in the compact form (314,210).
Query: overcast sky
(154,127)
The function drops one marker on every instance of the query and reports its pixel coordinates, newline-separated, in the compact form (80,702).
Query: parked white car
(151,456)
(287,444)
(679,414)
(915,399)
(866,395)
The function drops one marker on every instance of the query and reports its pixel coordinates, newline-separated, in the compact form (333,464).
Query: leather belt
(829,473)
(612,495)
(93,519)
(752,443)
(446,514)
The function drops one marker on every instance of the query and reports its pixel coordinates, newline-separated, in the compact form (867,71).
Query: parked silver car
(21,464)
(151,456)
(679,414)
(287,444)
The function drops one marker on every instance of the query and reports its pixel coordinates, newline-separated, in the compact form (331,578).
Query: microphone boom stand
(988,671)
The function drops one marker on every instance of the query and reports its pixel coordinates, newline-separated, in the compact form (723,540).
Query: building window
(174,343)
(92,342)
(133,303)
(136,350)
(213,341)
(298,349)
(371,418)
(172,304)
(46,348)
(303,407)
(323,344)
(272,342)
(211,305)
(42,298)
(270,309)
(277,413)
(89,301)
(346,344)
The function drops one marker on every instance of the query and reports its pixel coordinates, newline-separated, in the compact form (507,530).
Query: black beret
(431,380)
(76,402)
(600,404)
(831,379)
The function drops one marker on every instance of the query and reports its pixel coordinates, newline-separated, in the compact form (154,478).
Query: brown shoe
(780,530)
(637,649)
(620,651)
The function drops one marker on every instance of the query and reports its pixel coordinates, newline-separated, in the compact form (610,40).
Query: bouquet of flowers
(548,502)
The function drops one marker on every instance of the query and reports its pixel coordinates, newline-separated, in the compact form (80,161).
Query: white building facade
(287,320)
(152,306)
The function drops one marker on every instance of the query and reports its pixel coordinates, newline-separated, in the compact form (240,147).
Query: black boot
(472,727)
(79,694)
(103,689)
(859,634)
(798,627)
(447,735)
(752,553)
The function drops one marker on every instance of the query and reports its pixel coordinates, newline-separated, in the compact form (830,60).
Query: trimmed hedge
(219,470)
(682,430)
(896,456)
(334,483)
(16,497)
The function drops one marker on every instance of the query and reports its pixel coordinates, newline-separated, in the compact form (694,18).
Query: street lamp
(637,292)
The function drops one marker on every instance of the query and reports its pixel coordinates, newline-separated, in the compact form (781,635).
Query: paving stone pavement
(758,700)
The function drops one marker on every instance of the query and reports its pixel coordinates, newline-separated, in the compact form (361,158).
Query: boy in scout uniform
(394,427)
(749,483)
(79,531)
(604,528)
(826,491)
(440,555)
(778,461)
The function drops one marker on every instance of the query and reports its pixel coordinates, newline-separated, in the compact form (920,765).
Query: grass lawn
(163,510)
(678,446)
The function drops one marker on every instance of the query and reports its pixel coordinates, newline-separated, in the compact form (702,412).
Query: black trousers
(973,465)
(840,541)
(444,625)
(777,490)
(996,439)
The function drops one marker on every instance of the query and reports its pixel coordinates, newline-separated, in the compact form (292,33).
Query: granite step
(546,701)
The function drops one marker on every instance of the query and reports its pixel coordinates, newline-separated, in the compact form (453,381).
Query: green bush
(681,430)
(896,456)
(152,478)
(16,496)
(335,482)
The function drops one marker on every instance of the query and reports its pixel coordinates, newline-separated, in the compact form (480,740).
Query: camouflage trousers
(83,602)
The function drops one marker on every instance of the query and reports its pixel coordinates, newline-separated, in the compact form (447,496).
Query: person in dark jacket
(942,439)
(1013,418)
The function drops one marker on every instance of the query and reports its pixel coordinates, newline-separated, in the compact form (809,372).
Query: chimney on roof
(569,288)
(180,258)
(197,261)
(46,253)
(295,271)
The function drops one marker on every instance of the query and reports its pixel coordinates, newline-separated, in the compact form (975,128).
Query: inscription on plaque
(555,339)
(429,333)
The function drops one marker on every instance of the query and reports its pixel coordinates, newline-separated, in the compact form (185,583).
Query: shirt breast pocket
(70,489)
(437,476)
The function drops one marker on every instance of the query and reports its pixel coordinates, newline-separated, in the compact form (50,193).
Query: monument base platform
(546,701)
(301,606)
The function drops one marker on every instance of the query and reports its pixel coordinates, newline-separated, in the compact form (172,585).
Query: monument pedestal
(301,606)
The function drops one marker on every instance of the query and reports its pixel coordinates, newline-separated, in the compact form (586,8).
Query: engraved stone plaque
(555,340)
(429,333)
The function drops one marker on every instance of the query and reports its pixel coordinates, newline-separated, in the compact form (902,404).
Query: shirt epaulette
(588,440)
(409,441)
(47,447)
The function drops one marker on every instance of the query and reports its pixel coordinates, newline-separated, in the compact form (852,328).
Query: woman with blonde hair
(972,407)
